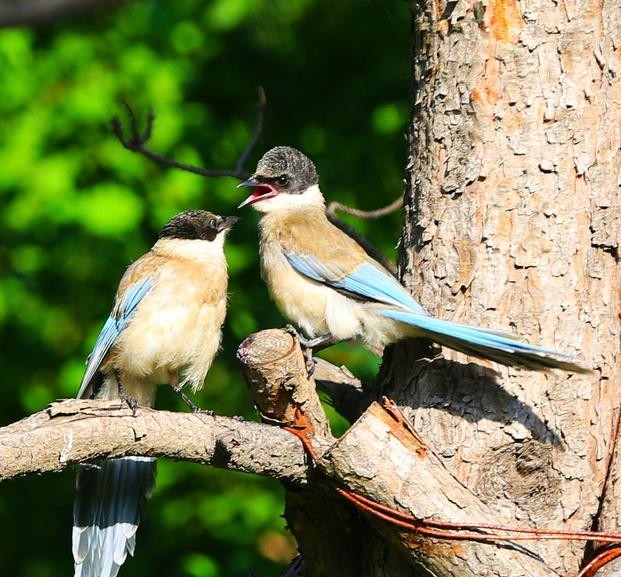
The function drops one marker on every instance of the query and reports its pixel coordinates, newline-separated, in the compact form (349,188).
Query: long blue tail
(106,513)
(497,346)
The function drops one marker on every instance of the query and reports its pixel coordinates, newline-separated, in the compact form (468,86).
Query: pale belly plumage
(175,332)
(317,309)
(300,300)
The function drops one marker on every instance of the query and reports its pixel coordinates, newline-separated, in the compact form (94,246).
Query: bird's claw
(308,345)
(307,351)
(296,334)
(132,402)
(309,361)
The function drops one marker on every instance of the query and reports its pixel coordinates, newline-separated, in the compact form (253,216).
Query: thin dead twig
(395,205)
(136,141)
(369,247)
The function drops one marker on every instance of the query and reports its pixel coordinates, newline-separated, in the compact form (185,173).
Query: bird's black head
(281,170)
(197,225)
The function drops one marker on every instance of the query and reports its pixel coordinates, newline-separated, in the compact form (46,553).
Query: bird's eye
(283,180)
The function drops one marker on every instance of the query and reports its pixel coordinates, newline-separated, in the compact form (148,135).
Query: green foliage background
(77,208)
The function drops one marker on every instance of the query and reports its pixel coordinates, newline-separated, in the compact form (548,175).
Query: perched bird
(330,289)
(165,327)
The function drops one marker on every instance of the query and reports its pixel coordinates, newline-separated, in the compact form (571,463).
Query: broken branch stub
(275,371)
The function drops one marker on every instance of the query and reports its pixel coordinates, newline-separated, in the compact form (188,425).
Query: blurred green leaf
(200,565)
(109,209)
(389,118)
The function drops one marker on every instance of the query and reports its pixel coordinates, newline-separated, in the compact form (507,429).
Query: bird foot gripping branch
(383,467)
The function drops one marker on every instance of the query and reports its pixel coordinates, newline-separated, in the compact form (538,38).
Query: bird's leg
(132,402)
(310,345)
(174,383)
(320,342)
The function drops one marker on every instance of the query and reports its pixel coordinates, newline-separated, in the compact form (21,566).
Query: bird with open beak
(326,285)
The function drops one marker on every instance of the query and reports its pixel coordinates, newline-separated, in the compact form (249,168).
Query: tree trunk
(512,222)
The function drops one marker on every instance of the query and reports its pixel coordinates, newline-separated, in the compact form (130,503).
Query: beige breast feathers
(177,326)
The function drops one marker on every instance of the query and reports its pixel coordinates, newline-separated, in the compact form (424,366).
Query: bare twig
(369,248)
(395,205)
(258,129)
(136,142)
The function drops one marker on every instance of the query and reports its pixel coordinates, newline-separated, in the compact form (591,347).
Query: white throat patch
(191,249)
(310,197)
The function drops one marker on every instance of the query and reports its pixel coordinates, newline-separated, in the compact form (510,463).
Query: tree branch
(136,141)
(77,430)
(74,431)
(386,461)
(348,395)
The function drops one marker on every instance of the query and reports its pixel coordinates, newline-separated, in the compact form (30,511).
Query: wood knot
(524,473)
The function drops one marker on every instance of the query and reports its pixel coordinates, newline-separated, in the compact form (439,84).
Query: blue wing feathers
(306,265)
(113,327)
(368,281)
(132,297)
(374,283)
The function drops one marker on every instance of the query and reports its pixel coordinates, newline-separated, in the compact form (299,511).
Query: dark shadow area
(470,391)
